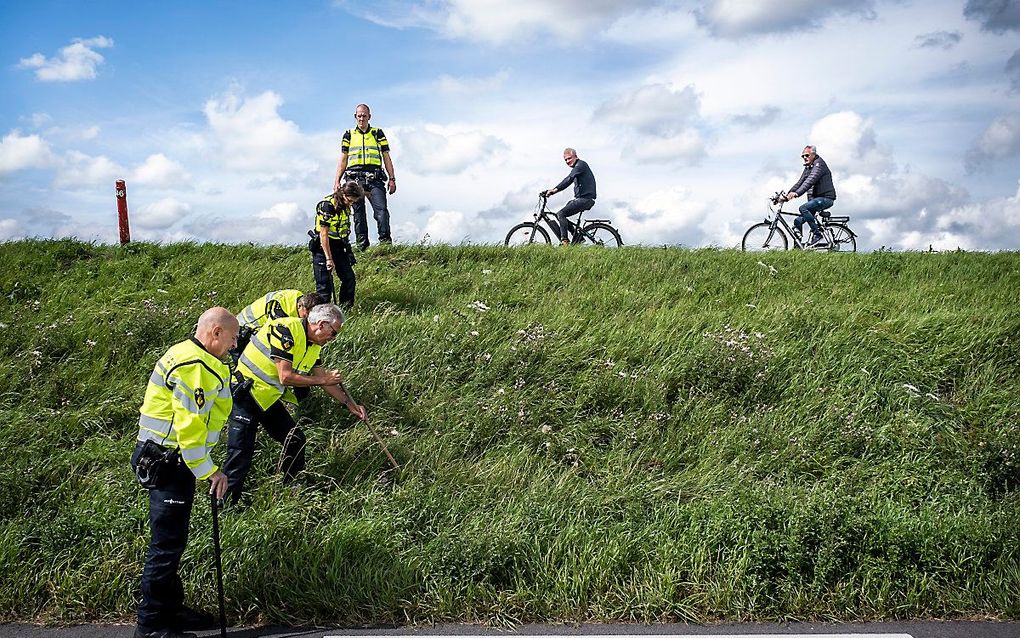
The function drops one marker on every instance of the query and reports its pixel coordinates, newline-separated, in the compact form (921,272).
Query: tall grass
(585,435)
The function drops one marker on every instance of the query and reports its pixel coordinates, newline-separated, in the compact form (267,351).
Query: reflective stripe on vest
(364,149)
(256,314)
(187,401)
(257,363)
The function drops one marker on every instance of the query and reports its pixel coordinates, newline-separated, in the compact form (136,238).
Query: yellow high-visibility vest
(365,149)
(187,402)
(273,305)
(285,338)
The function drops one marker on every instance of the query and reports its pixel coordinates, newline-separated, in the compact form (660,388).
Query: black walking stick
(219,562)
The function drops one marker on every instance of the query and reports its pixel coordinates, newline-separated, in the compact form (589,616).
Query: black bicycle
(776,234)
(599,232)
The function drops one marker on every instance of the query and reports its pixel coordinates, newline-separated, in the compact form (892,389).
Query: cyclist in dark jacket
(584,191)
(816,181)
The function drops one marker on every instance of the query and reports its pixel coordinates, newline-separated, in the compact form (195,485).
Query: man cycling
(816,181)
(584,192)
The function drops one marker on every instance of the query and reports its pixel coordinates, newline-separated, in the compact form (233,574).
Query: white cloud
(1001,140)
(161,214)
(161,172)
(10,229)
(737,18)
(248,132)
(663,120)
(656,109)
(433,149)
(498,21)
(19,152)
(77,61)
(86,171)
(686,148)
(674,215)
(846,140)
(282,223)
(997,16)
(471,85)
(944,40)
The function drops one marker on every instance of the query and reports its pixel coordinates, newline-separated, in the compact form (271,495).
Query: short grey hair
(813,149)
(570,150)
(326,312)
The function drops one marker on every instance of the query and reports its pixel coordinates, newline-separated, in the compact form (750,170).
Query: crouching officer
(187,401)
(331,245)
(272,305)
(282,356)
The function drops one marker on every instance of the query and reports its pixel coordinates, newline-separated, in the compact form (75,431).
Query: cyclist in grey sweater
(816,181)
(584,191)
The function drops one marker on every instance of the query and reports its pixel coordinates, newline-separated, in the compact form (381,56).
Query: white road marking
(869,635)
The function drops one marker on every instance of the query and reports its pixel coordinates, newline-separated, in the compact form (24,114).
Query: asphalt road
(927,629)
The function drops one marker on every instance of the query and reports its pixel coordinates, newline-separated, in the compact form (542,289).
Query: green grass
(642,434)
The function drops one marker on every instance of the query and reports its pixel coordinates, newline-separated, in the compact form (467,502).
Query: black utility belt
(364,175)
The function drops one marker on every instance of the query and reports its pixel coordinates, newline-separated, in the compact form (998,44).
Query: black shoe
(362,245)
(193,619)
(162,633)
(385,241)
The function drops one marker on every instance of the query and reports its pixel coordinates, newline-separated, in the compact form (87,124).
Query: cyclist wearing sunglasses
(816,182)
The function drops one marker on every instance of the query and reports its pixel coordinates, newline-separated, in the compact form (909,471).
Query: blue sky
(225,117)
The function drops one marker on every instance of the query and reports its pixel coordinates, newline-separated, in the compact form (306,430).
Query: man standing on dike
(584,192)
(364,151)
(282,356)
(331,247)
(186,404)
(816,181)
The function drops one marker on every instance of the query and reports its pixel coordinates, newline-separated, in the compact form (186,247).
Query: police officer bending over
(331,244)
(186,404)
(272,305)
(283,355)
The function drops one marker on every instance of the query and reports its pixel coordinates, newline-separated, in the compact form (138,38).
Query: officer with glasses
(282,356)
(816,181)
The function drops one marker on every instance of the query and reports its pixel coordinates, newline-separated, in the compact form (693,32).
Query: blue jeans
(375,192)
(807,213)
(169,514)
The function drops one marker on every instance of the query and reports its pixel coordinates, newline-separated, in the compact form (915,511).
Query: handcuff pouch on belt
(154,465)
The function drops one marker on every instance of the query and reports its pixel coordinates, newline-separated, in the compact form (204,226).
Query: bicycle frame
(823,223)
(574,228)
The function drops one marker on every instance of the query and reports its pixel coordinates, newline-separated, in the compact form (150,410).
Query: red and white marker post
(122,212)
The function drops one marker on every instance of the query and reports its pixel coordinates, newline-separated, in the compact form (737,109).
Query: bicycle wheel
(604,234)
(526,233)
(762,237)
(842,239)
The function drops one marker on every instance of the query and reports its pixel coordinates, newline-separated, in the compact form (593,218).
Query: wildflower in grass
(486,271)
(90,343)
(478,306)
(770,268)
(546,429)
(474,333)
(435,318)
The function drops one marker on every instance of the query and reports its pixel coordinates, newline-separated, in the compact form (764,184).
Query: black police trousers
(243,425)
(169,515)
(343,262)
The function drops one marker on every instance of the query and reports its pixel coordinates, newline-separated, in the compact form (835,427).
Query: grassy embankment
(642,434)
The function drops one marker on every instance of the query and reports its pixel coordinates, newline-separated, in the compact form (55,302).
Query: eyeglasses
(332,330)
(805,156)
